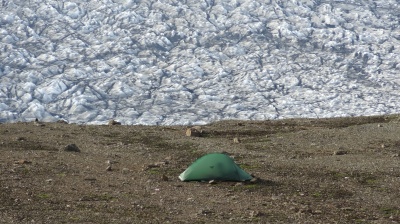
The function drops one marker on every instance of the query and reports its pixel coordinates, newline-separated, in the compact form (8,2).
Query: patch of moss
(43,196)
(74,219)
(154,171)
(388,211)
(246,166)
(61,174)
(337,175)
(317,195)
(367,179)
(251,186)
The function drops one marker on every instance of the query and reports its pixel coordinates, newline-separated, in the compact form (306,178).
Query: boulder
(195,131)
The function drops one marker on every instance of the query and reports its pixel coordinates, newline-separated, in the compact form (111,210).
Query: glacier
(170,62)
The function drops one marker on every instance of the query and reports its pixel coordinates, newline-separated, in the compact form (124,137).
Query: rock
(125,170)
(110,162)
(317,212)
(62,122)
(348,209)
(109,168)
(151,166)
(305,210)
(156,165)
(236,140)
(113,122)
(239,184)
(255,180)
(205,212)
(71,148)
(22,161)
(212,182)
(162,163)
(339,152)
(38,123)
(20,139)
(91,179)
(254,214)
(195,131)
(227,153)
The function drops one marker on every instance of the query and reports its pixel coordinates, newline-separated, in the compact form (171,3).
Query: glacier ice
(172,62)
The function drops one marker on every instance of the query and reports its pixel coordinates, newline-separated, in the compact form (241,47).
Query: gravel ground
(342,170)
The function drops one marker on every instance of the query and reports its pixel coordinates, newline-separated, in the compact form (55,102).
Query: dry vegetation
(343,170)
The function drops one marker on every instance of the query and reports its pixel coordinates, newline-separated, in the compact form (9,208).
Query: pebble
(155,165)
(255,180)
(205,212)
(347,209)
(23,161)
(38,123)
(125,170)
(339,152)
(150,166)
(71,148)
(62,122)
(317,212)
(162,163)
(20,139)
(113,122)
(109,168)
(254,214)
(164,178)
(239,184)
(91,179)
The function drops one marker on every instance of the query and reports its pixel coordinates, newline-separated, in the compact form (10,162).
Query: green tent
(215,166)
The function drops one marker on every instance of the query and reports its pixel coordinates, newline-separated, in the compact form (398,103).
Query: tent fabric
(214,166)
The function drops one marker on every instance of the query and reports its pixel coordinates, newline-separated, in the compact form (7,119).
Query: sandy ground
(343,170)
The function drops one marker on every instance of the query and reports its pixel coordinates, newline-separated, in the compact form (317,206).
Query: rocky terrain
(343,170)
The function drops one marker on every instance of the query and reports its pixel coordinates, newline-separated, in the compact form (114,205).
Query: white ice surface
(172,62)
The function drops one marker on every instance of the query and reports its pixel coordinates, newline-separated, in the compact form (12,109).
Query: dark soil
(342,170)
